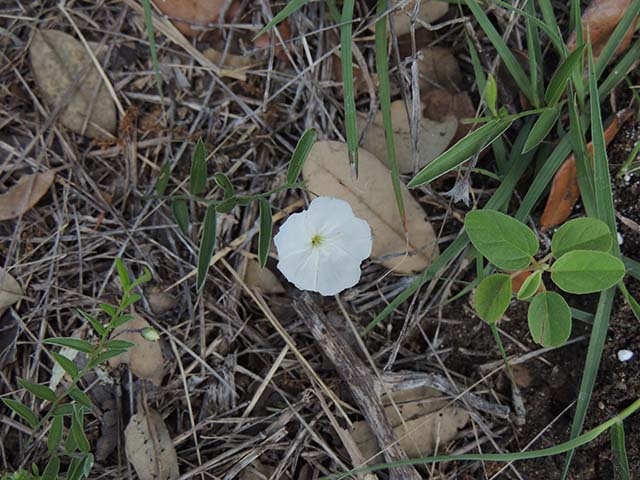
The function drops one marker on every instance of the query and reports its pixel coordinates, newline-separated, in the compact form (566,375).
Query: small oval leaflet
(587,271)
(493,296)
(530,286)
(549,319)
(506,242)
(581,234)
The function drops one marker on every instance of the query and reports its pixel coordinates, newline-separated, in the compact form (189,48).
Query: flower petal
(337,272)
(293,236)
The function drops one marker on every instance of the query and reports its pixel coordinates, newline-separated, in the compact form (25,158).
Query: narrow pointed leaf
(181,214)
(198,175)
(163,180)
(55,433)
(558,83)
(619,451)
(223,182)
(264,236)
(300,154)
(74,343)
(207,245)
(41,391)
(52,469)
(542,127)
(97,326)
(123,274)
(22,410)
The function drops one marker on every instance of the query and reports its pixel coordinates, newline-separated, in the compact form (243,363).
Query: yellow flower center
(316,240)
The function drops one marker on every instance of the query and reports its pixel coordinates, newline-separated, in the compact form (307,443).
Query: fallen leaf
(425,422)
(565,190)
(23,196)
(160,302)
(439,68)
(150,448)
(262,278)
(9,330)
(60,63)
(433,137)
(440,104)
(428,12)
(145,359)
(192,17)
(599,20)
(228,60)
(371,197)
(10,290)
(521,375)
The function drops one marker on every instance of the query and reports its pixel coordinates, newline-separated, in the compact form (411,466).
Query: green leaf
(121,320)
(181,214)
(530,285)
(73,343)
(491,95)
(22,410)
(87,466)
(120,345)
(226,205)
(52,469)
(144,278)
(462,151)
(504,241)
(632,302)
(123,274)
(76,470)
(130,300)
(493,296)
(104,356)
(80,397)
(283,14)
(62,410)
(586,271)
(549,319)
(40,391)
(198,175)
(97,326)
(207,245)
(558,83)
(77,430)
(55,433)
(346,60)
(581,234)
(619,451)
(109,309)
(223,182)
(163,180)
(542,127)
(300,154)
(266,228)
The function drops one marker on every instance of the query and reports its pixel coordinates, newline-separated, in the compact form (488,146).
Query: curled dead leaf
(371,197)
(439,68)
(150,448)
(145,359)
(23,196)
(62,67)
(433,137)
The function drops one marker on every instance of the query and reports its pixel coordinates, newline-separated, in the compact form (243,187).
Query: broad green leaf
(506,242)
(549,319)
(198,175)
(558,83)
(97,326)
(120,345)
(266,228)
(123,274)
(530,285)
(41,391)
(542,127)
(207,245)
(80,397)
(493,296)
(462,151)
(22,410)
(74,343)
(181,214)
(52,469)
(55,433)
(300,154)
(581,234)
(586,271)
(223,182)
(163,180)
(491,95)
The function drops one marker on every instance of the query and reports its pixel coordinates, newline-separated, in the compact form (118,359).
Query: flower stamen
(316,240)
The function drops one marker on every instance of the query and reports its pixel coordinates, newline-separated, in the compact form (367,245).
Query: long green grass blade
(283,14)
(619,451)
(536,73)
(346,55)
(264,235)
(382,67)
(584,166)
(542,127)
(558,83)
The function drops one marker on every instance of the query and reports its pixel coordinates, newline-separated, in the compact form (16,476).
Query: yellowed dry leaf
(60,63)
(428,423)
(371,197)
(262,278)
(439,68)
(230,60)
(145,359)
(10,290)
(150,448)
(23,196)
(433,137)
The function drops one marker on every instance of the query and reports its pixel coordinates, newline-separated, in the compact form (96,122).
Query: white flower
(320,249)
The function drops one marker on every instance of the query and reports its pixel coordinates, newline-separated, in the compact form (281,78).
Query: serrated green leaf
(73,343)
(52,469)
(207,245)
(560,78)
(41,391)
(223,182)
(181,214)
(504,241)
(581,234)
(266,229)
(530,286)
(549,319)
(586,271)
(123,274)
(22,410)
(198,174)
(80,397)
(462,151)
(55,433)
(542,127)
(493,296)
(300,154)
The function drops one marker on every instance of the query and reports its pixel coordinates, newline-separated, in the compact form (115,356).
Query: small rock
(625,355)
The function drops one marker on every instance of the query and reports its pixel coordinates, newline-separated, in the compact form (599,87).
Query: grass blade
(266,229)
(542,127)
(619,451)
(346,54)
(198,174)
(207,245)
(536,75)
(558,83)
(148,21)
(291,7)
(300,154)
(382,67)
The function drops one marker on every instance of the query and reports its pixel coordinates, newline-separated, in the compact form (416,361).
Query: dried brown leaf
(150,448)
(440,104)
(262,278)
(145,359)
(371,197)
(10,290)
(439,68)
(61,63)
(23,196)
(192,17)
(429,12)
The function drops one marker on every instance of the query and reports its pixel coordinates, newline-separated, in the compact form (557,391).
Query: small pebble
(627,178)
(620,239)
(625,355)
